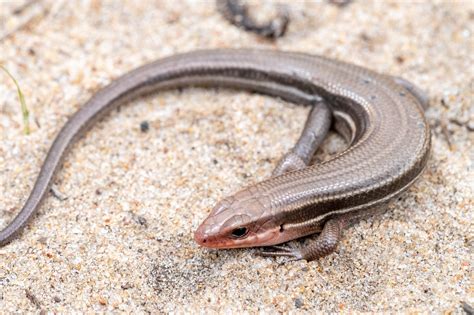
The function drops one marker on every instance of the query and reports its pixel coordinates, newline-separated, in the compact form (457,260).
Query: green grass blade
(24,109)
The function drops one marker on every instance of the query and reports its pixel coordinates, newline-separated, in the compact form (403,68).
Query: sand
(119,236)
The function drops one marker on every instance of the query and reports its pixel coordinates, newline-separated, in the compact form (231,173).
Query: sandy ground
(121,238)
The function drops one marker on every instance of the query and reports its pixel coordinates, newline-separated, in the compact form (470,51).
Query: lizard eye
(239,232)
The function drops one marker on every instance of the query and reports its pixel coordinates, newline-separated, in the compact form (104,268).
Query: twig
(25,21)
(236,13)
(24,6)
(446,135)
(53,11)
(57,194)
(467,308)
(33,299)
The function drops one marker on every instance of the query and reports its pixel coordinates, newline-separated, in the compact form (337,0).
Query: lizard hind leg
(315,131)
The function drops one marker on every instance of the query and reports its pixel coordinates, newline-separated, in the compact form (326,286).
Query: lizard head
(239,221)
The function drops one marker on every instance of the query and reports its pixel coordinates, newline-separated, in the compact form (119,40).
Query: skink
(380,116)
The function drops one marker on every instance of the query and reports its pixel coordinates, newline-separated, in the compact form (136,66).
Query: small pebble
(298,303)
(144,126)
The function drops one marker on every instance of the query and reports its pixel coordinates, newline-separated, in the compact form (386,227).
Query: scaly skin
(381,118)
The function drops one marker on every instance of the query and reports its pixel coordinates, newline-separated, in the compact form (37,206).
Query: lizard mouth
(263,238)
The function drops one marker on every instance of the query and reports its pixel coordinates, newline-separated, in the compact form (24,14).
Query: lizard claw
(279,250)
